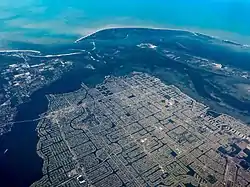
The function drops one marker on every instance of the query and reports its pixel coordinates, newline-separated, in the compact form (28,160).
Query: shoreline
(96,30)
(140,27)
(57,55)
(17,51)
(162,29)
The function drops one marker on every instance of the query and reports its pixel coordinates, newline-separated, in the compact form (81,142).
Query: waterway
(20,165)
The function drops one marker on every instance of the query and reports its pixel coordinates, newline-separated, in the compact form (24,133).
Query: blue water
(21,166)
(54,21)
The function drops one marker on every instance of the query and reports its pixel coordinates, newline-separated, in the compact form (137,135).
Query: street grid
(136,131)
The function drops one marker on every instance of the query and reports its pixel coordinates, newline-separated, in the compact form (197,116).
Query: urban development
(20,78)
(135,130)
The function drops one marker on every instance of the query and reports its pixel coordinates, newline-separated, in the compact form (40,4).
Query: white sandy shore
(61,55)
(57,55)
(19,51)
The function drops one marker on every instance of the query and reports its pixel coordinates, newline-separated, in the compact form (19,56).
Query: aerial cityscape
(21,79)
(102,114)
(137,131)
(125,93)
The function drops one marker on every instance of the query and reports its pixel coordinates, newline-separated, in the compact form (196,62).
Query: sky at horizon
(47,21)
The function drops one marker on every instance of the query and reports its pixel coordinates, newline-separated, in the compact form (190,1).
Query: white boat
(6,150)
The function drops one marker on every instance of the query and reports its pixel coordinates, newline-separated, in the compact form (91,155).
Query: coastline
(195,33)
(19,51)
(40,54)
(57,55)
(139,27)
(93,31)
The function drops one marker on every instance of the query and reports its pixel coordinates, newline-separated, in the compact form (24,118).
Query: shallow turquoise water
(28,19)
